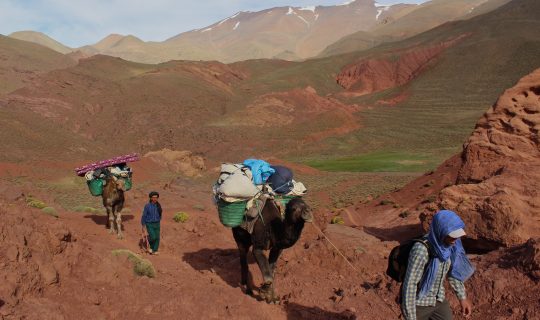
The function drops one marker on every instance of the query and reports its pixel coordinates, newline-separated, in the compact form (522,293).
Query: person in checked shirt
(423,294)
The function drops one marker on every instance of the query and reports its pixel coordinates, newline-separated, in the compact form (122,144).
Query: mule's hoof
(120,236)
(249,292)
(111,231)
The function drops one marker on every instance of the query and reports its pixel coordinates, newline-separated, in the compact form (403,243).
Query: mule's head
(120,184)
(297,210)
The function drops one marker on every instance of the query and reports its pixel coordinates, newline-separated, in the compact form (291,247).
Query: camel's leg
(272,259)
(110,215)
(266,288)
(118,215)
(244,267)
(263,265)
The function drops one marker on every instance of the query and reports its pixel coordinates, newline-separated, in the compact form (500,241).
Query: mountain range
(290,33)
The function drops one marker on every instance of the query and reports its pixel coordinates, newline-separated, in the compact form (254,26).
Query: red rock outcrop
(184,162)
(497,187)
(33,253)
(377,74)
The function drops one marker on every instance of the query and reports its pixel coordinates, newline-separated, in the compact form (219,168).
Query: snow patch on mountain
(291,11)
(380,10)
(236,25)
(229,18)
(347,3)
(308,8)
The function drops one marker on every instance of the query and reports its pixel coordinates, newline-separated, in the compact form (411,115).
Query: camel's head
(298,210)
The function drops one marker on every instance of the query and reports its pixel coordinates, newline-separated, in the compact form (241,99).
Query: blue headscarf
(444,222)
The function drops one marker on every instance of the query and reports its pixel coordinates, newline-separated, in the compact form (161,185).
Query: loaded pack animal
(113,201)
(271,232)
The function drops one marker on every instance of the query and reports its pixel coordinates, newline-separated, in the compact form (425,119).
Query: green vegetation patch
(337,220)
(87,209)
(141,267)
(377,162)
(50,211)
(35,203)
(181,217)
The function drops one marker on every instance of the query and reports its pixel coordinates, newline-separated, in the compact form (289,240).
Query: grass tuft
(385,202)
(337,220)
(141,267)
(181,217)
(88,210)
(404,214)
(50,211)
(35,203)
(199,207)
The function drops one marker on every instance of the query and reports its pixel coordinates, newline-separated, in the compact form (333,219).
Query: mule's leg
(118,214)
(110,216)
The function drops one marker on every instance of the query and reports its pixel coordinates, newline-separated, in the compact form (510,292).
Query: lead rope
(352,266)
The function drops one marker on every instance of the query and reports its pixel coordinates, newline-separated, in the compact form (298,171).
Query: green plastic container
(231,214)
(128,183)
(285,199)
(96,187)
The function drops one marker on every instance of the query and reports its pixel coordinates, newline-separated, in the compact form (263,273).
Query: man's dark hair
(153,193)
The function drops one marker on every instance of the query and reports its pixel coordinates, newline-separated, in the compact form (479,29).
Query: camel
(273,233)
(113,201)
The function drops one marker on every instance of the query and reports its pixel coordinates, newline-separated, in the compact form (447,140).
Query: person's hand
(466,307)
(143,229)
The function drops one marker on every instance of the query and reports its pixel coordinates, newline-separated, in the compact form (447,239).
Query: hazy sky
(80,22)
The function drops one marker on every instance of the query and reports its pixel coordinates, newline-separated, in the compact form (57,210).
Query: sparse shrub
(50,211)
(429,184)
(432,198)
(337,220)
(360,249)
(181,217)
(199,207)
(385,202)
(404,214)
(88,210)
(141,267)
(35,203)
(396,206)
(449,184)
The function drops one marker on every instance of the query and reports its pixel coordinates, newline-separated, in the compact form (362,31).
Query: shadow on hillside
(224,262)
(102,220)
(398,233)
(2,303)
(297,312)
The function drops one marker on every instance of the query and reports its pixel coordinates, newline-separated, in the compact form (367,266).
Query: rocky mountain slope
(22,61)
(42,39)
(413,21)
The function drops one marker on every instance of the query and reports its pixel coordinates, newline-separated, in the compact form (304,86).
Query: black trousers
(441,311)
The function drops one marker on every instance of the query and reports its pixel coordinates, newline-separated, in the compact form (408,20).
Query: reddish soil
(60,268)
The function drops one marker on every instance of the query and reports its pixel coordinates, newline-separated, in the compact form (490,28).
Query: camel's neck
(290,234)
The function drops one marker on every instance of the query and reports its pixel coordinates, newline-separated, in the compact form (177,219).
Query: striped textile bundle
(81,171)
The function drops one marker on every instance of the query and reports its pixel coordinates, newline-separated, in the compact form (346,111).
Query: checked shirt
(418,260)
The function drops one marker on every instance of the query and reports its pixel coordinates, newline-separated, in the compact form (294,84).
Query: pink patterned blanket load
(81,171)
